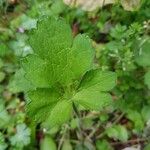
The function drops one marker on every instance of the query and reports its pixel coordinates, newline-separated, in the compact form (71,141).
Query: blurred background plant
(120,33)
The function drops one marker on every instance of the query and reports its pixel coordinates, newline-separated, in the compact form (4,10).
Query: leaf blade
(60,113)
(41,102)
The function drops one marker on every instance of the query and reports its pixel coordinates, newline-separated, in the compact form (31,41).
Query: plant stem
(115,122)
(130,141)
(62,138)
(77,114)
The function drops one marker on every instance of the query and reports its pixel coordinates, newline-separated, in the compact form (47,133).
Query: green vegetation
(74,77)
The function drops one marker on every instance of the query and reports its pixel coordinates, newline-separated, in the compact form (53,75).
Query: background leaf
(118,132)
(147,79)
(47,143)
(144,55)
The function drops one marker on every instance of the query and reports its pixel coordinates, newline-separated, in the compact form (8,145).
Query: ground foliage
(83,110)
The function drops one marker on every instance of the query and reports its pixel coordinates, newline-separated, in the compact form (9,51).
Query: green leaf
(92,93)
(1,63)
(23,21)
(137,119)
(57,7)
(117,132)
(59,62)
(103,145)
(118,32)
(147,147)
(4,117)
(74,123)
(37,71)
(146,113)
(3,50)
(27,23)
(2,76)
(93,100)
(19,83)
(22,137)
(20,46)
(41,102)
(47,143)
(52,35)
(3,145)
(147,79)
(143,58)
(56,55)
(98,80)
(82,55)
(60,113)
